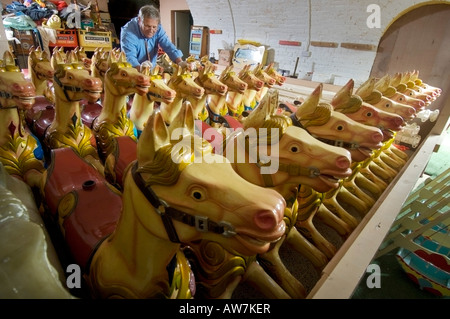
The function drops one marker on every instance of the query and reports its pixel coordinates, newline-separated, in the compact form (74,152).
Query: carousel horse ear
(311,102)
(8,58)
(366,88)
(72,57)
(122,57)
(382,84)
(342,97)
(184,120)
(396,80)
(154,136)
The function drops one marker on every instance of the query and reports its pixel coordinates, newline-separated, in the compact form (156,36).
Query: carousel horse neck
(214,91)
(216,107)
(268,80)
(254,86)
(186,89)
(234,102)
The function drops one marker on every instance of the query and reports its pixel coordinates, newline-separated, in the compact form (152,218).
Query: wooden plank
(359,46)
(291,43)
(344,271)
(324,44)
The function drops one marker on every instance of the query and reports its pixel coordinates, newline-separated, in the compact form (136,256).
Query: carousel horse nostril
(265,220)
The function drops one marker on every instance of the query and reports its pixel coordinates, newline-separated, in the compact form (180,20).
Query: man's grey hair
(149,12)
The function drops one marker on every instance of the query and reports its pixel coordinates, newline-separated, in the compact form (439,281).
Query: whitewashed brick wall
(269,21)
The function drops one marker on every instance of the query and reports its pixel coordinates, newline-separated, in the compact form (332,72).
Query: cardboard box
(225,57)
(27,40)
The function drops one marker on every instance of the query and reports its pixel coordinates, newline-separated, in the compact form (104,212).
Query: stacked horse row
(185,185)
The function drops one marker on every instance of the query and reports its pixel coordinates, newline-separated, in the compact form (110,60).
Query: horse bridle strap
(66,88)
(167,213)
(291,169)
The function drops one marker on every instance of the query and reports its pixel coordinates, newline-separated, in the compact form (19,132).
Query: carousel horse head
(335,128)
(270,71)
(261,74)
(232,80)
(183,82)
(288,153)
(15,90)
(208,80)
(39,64)
(72,81)
(189,181)
(83,57)
(158,90)
(249,77)
(122,79)
(100,62)
(344,101)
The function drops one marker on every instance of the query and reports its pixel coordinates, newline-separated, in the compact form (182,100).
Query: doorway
(181,30)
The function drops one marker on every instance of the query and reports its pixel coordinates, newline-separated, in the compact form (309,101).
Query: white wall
(269,21)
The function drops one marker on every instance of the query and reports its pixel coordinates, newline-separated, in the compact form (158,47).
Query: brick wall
(336,22)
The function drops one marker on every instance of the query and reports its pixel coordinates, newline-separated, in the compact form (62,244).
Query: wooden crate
(67,38)
(90,40)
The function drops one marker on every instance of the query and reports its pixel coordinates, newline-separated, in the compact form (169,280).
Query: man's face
(148,26)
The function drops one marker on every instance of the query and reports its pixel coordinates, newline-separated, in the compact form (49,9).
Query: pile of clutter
(45,17)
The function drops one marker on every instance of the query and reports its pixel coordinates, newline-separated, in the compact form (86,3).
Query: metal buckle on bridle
(314,172)
(201,223)
(161,209)
(228,229)
(339,143)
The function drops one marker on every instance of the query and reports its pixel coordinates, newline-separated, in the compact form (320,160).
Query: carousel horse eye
(294,149)
(197,195)
(123,74)
(369,114)
(340,127)
(400,99)
(387,105)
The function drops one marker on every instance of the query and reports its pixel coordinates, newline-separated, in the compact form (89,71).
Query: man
(140,37)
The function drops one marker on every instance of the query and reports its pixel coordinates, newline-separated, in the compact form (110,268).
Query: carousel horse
(333,128)
(41,74)
(299,159)
(269,81)
(120,81)
(255,85)
(213,88)
(72,83)
(217,103)
(30,268)
(20,152)
(423,87)
(183,83)
(235,99)
(144,257)
(142,106)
